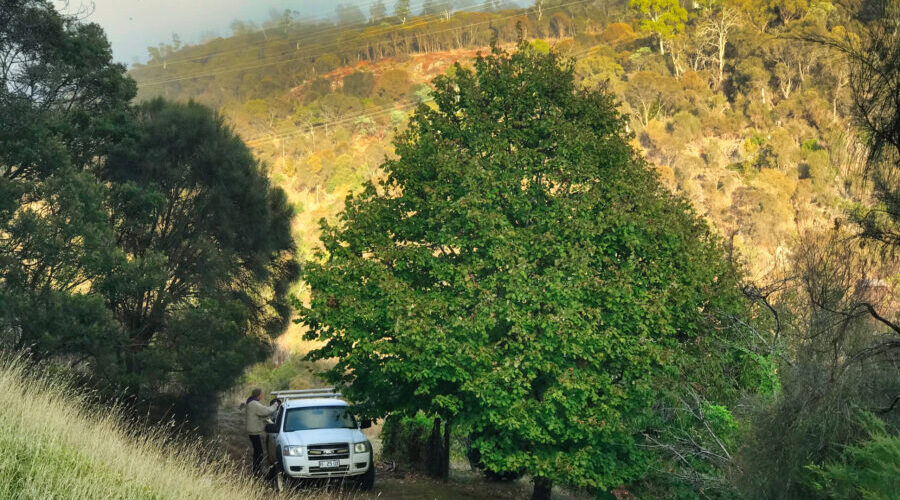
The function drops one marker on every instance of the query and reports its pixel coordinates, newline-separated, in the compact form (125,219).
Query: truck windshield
(318,417)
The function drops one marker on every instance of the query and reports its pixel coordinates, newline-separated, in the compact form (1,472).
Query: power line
(319,51)
(313,35)
(293,131)
(310,53)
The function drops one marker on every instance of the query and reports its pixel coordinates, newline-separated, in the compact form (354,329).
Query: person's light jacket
(257,415)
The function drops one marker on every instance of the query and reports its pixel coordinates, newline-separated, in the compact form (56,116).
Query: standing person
(256,426)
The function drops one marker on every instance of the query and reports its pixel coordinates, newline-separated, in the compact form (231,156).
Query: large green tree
(209,251)
(522,273)
(63,102)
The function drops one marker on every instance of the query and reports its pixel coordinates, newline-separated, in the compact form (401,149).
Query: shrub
(617,33)
(320,86)
(359,84)
(541,46)
(393,84)
(326,63)
(869,470)
(405,440)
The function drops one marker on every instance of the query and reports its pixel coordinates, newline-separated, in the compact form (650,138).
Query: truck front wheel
(367,480)
(277,475)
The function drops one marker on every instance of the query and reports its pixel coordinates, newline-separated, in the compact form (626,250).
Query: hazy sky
(133,25)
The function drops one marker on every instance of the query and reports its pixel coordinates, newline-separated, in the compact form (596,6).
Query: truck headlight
(362,447)
(292,451)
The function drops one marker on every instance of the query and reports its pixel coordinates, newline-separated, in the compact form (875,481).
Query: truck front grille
(329,451)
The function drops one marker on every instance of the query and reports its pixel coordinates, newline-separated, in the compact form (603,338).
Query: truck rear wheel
(367,480)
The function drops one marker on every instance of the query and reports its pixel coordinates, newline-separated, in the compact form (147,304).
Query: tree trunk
(445,452)
(542,489)
(434,456)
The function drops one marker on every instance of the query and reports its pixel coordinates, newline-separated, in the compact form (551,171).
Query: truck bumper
(304,468)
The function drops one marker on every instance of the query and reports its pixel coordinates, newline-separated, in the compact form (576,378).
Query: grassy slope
(51,446)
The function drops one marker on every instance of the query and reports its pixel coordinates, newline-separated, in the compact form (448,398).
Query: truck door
(272,437)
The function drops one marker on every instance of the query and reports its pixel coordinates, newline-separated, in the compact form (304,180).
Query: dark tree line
(140,246)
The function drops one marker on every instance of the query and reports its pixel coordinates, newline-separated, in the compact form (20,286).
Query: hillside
(755,135)
(736,113)
(53,445)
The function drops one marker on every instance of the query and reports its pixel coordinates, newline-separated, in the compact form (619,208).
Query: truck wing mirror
(271,429)
(365,423)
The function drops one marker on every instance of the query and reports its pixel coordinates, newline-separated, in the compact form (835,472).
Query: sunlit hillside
(755,134)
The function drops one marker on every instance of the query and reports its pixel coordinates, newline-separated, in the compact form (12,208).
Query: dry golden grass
(54,446)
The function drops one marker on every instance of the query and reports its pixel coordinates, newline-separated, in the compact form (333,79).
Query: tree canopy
(208,244)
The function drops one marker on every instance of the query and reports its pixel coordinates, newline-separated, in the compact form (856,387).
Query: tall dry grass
(54,445)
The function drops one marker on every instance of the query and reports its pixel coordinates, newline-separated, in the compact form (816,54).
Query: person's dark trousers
(256,441)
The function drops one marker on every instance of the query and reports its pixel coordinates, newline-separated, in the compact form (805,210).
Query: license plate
(328,464)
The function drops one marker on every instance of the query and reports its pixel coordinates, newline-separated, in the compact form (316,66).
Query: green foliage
(420,94)
(814,415)
(144,246)
(56,239)
(598,70)
(609,284)
(665,18)
(359,84)
(874,57)
(333,107)
(344,174)
(401,9)
(398,119)
(541,46)
(326,63)
(320,87)
(869,470)
(404,439)
(190,201)
(290,373)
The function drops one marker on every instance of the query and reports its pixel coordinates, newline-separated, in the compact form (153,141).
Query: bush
(393,84)
(869,470)
(618,33)
(326,63)
(541,46)
(344,174)
(405,440)
(320,87)
(359,84)
(685,127)
(420,94)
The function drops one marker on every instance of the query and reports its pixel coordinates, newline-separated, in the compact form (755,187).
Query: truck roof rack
(325,392)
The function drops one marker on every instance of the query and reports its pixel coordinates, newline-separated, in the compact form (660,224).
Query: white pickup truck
(314,435)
